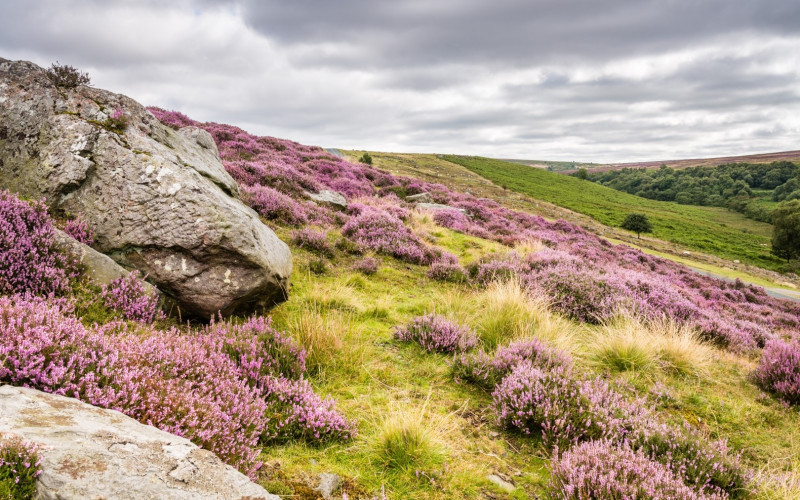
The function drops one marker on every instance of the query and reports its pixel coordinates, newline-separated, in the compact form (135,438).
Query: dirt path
(780,293)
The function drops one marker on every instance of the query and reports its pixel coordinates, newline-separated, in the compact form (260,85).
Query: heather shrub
(437,333)
(313,241)
(117,121)
(604,471)
(66,76)
(296,412)
(581,295)
(382,232)
(367,265)
(452,219)
(128,296)
(19,468)
(450,272)
(80,231)
(562,409)
(778,371)
(486,371)
(274,205)
(30,261)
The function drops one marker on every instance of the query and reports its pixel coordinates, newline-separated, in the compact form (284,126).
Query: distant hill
(694,162)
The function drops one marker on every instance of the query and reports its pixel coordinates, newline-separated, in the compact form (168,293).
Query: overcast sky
(587,80)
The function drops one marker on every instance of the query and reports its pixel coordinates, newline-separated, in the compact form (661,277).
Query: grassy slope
(707,229)
(372,376)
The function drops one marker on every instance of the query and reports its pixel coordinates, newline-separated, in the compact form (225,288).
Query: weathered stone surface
(332,198)
(328,484)
(501,483)
(158,200)
(99,267)
(438,206)
(420,198)
(92,453)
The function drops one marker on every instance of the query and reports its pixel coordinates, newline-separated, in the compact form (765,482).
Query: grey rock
(89,452)
(328,197)
(420,198)
(99,267)
(501,483)
(158,200)
(328,484)
(434,207)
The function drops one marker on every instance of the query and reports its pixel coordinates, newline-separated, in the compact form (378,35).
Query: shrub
(485,371)
(66,76)
(604,471)
(318,266)
(30,261)
(452,219)
(779,370)
(19,468)
(117,121)
(79,230)
(224,387)
(367,265)
(128,296)
(437,333)
(450,272)
(274,205)
(366,159)
(313,241)
(385,233)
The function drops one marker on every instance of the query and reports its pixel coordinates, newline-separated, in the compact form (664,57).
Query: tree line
(733,185)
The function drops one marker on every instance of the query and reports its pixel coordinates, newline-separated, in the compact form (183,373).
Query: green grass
(707,229)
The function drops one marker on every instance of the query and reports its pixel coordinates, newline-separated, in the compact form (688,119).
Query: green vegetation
(742,187)
(698,228)
(638,223)
(365,158)
(786,235)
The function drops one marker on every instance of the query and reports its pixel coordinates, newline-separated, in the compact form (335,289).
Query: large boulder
(89,452)
(158,200)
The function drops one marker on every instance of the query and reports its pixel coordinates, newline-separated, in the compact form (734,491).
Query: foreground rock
(99,267)
(88,452)
(158,200)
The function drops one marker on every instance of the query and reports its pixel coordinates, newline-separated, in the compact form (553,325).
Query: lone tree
(786,230)
(582,174)
(365,158)
(638,223)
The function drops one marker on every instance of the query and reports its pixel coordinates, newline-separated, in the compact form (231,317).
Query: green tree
(638,223)
(786,230)
(582,174)
(365,158)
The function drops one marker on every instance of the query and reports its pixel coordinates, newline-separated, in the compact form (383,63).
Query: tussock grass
(326,336)
(780,485)
(629,344)
(334,295)
(528,247)
(411,439)
(507,312)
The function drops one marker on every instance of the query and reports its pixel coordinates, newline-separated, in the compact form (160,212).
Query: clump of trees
(735,185)
(786,230)
(638,223)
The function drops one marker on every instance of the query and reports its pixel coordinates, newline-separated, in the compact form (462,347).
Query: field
(706,229)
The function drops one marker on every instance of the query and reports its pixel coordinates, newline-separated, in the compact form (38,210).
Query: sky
(569,80)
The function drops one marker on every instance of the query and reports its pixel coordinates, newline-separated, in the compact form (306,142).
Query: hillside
(431,342)
(793,156)
(708,229)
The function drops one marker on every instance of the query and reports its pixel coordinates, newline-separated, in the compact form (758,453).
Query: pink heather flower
(80,231)
(30,262)
(779,370)
(437,333)
(129,296)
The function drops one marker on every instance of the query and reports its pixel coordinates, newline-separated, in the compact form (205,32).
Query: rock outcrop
(158,200)
(330,198)
(89,452)
(420,198)
(99,267)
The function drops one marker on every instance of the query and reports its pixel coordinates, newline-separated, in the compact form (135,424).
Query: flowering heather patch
(128,296)
(382,232)
(605,471)
(367,265)
(30,262)
(453,219)
(80,231)
(274,205)
(313,241)
(779,370)
(19,468)
(437,333)
(219,387)
(486,371)
(443,270)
